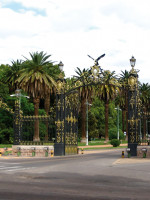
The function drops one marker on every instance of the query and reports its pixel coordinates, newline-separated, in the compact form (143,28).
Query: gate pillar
(133,110)
(59,146)
(17,123)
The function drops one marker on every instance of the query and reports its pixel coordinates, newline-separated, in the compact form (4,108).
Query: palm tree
(108,91)
(53,71)
(34,79)
(12,73)
(145,98)
(120,100)
(124,99)
(85,91)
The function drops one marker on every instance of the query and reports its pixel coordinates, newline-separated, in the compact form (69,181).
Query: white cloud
(72,29)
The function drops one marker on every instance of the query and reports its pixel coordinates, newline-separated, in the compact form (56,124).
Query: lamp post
(17,116)
(19,95)
(87,104)
(132,62)
(133,109)
(61,66)
(117,121)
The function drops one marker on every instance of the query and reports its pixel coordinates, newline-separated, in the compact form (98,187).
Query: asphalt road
(103,175)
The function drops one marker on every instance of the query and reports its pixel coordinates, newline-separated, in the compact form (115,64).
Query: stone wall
(140,152)
(32,150)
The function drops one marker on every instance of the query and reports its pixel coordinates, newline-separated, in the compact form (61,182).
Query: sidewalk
(88,149)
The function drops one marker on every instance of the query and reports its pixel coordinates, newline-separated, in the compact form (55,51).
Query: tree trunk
(36,102)
(106,120)
(123,120)
(83,118)
(144,125)
(126,106)
(47,107)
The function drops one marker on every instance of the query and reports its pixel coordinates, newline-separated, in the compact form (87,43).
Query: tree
(108,91)
(85,92)
(123,99)
(53,71)
(11,74)
(97,109)
(33,79)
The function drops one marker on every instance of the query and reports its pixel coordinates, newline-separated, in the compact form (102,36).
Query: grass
(6,153)
(10,145)
(6,145)
(91,143)
(99,142)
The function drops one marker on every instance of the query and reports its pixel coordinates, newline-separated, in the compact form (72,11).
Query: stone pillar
(59,146)
(17,123)
(133,112)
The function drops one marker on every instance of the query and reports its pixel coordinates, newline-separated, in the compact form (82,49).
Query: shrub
(113,134)
(6,136)
(115,142)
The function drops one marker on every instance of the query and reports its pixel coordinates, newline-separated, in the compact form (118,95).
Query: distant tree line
(37,76)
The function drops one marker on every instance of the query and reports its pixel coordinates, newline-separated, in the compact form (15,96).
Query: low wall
(32,150)
(140,152)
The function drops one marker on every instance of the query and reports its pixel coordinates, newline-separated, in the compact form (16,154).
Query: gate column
(133,110)
(59,146)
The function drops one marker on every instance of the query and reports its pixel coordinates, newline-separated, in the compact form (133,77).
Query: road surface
(104,175)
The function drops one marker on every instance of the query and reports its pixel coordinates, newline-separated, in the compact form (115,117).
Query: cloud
(135,12)
(18,7)
(69,30)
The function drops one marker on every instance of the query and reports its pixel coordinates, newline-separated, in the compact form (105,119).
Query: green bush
(115,142)
(113,134)
(6,136)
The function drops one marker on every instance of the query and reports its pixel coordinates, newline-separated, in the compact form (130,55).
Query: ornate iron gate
(24,127)
(66,123)
(71,124)
(145,129)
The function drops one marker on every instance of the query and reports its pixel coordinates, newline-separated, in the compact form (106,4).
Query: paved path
(87,150)
(108,145)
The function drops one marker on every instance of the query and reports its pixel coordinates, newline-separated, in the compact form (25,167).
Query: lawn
(91,143)
(5,145)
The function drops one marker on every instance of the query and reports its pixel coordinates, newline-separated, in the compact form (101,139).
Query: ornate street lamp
(61,75)
(19,95)
(61,66)
(133,109)
(132,61)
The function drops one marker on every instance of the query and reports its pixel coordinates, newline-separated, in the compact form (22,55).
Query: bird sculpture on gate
(96,60)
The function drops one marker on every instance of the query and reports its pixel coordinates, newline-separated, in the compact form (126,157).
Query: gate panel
(66,123)
(24,126)
(59,146)
(71,124)
(27,129)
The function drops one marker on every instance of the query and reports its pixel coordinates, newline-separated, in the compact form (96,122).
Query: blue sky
(19,8)
(70,29)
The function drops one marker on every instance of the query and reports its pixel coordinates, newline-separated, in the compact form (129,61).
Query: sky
(68,30)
